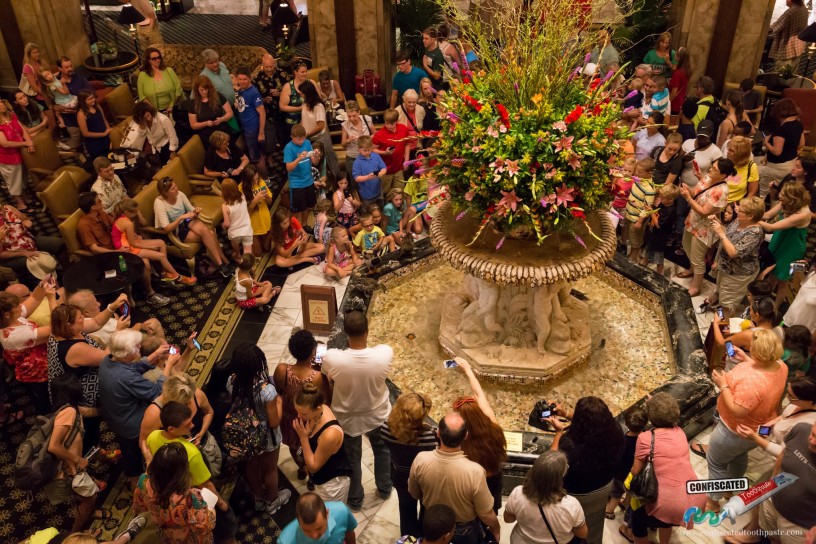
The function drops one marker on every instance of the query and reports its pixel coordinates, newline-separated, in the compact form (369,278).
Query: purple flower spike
(516,86)
(578,239)
(608,75)
(500,244)
(420,171)
(461,215)
(453,117)
(574,73)
(632,94)
(587,58)
(455,66)
(630,108)
(464,60)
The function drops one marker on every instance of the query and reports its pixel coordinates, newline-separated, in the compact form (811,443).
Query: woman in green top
(157,83)
(789,239)
(662,58)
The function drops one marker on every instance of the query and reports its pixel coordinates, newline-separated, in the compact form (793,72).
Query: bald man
(446,476)
(269,81)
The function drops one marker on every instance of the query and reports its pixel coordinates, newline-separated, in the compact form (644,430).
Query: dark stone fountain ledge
(690,385)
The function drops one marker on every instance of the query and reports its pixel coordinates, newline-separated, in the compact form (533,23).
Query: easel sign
(319,307)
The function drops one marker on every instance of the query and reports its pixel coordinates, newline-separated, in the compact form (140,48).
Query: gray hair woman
(738,256)
(542,496)
(672,468)
(354,126)
(125,392)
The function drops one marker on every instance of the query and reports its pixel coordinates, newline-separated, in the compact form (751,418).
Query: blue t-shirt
(340,521)
(362,167)
(402,82)
(245,103)
(394,216)
(78,84)
(301,176)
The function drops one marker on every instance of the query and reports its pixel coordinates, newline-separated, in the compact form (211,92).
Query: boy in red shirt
(391,145)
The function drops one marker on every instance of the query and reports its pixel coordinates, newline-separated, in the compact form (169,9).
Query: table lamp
(131,16)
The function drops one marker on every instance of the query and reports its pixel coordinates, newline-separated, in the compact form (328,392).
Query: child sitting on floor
(341,258)
(236,219)
(323,225)
(292,245)
(660,225)
(401,219)
(371,238)
(640,197)
(250,293)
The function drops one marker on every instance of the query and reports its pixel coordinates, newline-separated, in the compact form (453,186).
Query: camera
(541,411)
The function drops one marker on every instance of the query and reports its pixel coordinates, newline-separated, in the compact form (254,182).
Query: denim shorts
(253,147)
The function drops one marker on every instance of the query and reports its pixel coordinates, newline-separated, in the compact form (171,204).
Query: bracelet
(724,387)
(109,309)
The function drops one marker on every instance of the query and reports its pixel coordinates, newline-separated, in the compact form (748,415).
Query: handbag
(644,485)
(26,87)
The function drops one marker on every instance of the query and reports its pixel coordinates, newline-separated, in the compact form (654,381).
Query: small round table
(89,273)
(124,62)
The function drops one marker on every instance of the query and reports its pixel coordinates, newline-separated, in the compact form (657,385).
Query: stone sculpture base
(516,332)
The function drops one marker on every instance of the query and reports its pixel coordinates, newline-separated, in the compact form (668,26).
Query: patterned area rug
(208,308)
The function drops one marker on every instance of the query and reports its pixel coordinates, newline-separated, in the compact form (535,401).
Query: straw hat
(41,264)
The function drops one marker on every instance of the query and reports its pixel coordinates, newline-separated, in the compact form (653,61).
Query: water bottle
(122,265)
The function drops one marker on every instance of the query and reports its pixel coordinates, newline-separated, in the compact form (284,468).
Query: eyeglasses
(155,58)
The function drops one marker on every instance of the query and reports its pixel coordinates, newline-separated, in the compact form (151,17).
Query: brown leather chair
(176,248)
(61,197)
(210,204)
(46,163)
(118,104)
(118,132)
(192,157)
(68,231)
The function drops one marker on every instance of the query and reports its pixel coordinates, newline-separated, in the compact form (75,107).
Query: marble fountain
(532,326)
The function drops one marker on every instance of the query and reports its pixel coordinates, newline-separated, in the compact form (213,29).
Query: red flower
(594,84)
(466,80)
(574,115)
(473,102)
(577,213)
(609,132)
(505,116)
(596,110)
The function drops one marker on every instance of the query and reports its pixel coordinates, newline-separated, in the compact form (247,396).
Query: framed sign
(319,307)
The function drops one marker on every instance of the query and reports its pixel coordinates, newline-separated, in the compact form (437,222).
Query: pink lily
(510,200)
(564,143)
(564,195)
(560,125)
(512,167)
(574,161)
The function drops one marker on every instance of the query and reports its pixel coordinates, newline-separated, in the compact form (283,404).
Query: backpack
(35,466)
(716,114)
(205,268)
(244,433)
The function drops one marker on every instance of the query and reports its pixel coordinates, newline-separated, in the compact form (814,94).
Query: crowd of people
(697,191)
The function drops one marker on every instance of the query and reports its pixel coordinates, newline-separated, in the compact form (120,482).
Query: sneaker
(355,507)
(135,527)
(62,146)
(225,270)
(158,300)
(310,485)
(283,497)
(384,496)
(179,279)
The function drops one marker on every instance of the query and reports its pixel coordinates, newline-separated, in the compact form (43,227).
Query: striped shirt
(659,102)
(642,193)
(402,454)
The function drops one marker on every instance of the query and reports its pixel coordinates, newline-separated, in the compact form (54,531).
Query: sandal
(12,417)
(609,515)
(685,274)
(705,307)
(699,450)
(276,291)
(624,532)
(102,513)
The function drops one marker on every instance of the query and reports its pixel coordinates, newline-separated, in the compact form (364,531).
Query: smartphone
(798,266)
(729,348)
(695,165)
(124,309)
(720,313)
(764,430)
(321,349)
(196,344)
(173,350)
(450,363)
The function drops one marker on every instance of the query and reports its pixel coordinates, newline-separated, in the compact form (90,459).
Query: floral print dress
(187,519)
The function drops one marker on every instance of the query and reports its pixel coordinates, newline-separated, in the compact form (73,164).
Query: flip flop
(276,291)
(12,417)
(609,515)
(102,513)
(699,450)
(684,275)
(625,534)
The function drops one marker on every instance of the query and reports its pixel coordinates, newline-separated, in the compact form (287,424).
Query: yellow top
(260,218)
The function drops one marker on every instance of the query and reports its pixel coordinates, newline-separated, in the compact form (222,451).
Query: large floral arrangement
(528,139)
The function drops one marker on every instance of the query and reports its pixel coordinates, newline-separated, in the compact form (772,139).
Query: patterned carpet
(196,29)
(207,307)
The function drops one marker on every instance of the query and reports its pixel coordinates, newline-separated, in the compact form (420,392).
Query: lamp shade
(808,34)
(129,16)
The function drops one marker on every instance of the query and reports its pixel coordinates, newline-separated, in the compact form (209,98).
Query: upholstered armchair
(46,163)
(61,197)
(192,157)
(68,231)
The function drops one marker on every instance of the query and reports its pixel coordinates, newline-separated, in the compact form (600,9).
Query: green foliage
(646,20)
(414,16)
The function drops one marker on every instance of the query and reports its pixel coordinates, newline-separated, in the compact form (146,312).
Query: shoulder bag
(552,533)
(644,485)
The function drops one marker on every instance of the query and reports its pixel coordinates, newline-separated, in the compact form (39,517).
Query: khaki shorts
(636,235)
(392,181)
(780,528)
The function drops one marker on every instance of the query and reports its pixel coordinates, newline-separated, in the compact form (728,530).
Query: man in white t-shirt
(360,401)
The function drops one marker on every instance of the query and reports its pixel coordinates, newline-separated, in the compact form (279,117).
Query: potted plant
(107,50)
(529,144)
